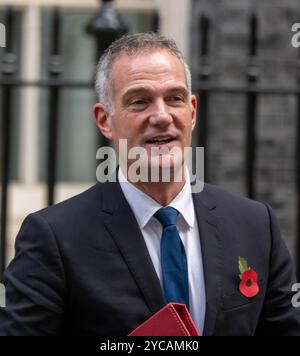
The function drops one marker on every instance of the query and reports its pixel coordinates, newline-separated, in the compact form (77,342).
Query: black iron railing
(252,91)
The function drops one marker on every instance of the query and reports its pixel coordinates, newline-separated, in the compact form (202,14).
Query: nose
(160,115)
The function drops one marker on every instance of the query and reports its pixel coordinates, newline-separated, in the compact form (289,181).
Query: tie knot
(167,216)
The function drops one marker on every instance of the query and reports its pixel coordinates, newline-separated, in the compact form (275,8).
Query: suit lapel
(212,258)
(124,229)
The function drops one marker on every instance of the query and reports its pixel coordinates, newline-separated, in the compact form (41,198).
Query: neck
(161,192)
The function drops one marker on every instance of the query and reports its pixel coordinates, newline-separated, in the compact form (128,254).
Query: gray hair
(132,45)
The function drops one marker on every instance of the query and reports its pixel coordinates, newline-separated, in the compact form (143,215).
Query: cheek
(136,125)
(187,132)
(129,130)
(185,117)
(187,127)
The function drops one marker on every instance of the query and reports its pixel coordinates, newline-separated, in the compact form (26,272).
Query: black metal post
(55,70)
(297,164)
(156,21)
(106,27)
(204,76)
(253,74)
(8,69)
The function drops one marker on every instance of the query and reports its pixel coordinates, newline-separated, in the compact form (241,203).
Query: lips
(161,140)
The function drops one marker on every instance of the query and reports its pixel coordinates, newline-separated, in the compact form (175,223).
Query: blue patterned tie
(173,258)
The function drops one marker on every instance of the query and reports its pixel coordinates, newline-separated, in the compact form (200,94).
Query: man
(103,262)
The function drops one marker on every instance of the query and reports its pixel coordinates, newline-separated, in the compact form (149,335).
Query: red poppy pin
(248,285)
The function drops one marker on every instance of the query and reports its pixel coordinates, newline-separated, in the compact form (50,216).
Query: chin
(168,168)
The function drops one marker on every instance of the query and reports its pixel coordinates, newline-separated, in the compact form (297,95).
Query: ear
(103,120)
(194,110)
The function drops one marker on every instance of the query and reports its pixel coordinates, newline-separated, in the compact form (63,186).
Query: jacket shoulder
(74,207)
(234,207)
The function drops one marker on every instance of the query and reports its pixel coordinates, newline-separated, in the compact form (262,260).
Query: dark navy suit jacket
(82,267)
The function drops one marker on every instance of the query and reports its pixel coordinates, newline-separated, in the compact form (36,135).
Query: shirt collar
(144,207)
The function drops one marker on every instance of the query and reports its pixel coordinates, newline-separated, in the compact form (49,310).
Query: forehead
(156,66)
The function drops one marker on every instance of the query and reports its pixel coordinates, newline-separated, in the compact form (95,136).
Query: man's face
(150,102)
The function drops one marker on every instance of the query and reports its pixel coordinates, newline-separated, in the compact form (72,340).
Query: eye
(176,99)
(138,102)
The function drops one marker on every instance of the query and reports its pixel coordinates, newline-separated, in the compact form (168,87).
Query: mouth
(160,141)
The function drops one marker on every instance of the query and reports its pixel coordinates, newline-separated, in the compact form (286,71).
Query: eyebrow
(142,89)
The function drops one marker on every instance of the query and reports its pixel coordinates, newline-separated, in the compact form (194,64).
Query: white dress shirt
(144,207)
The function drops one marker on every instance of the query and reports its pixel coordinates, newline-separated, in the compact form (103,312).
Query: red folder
(172,320)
